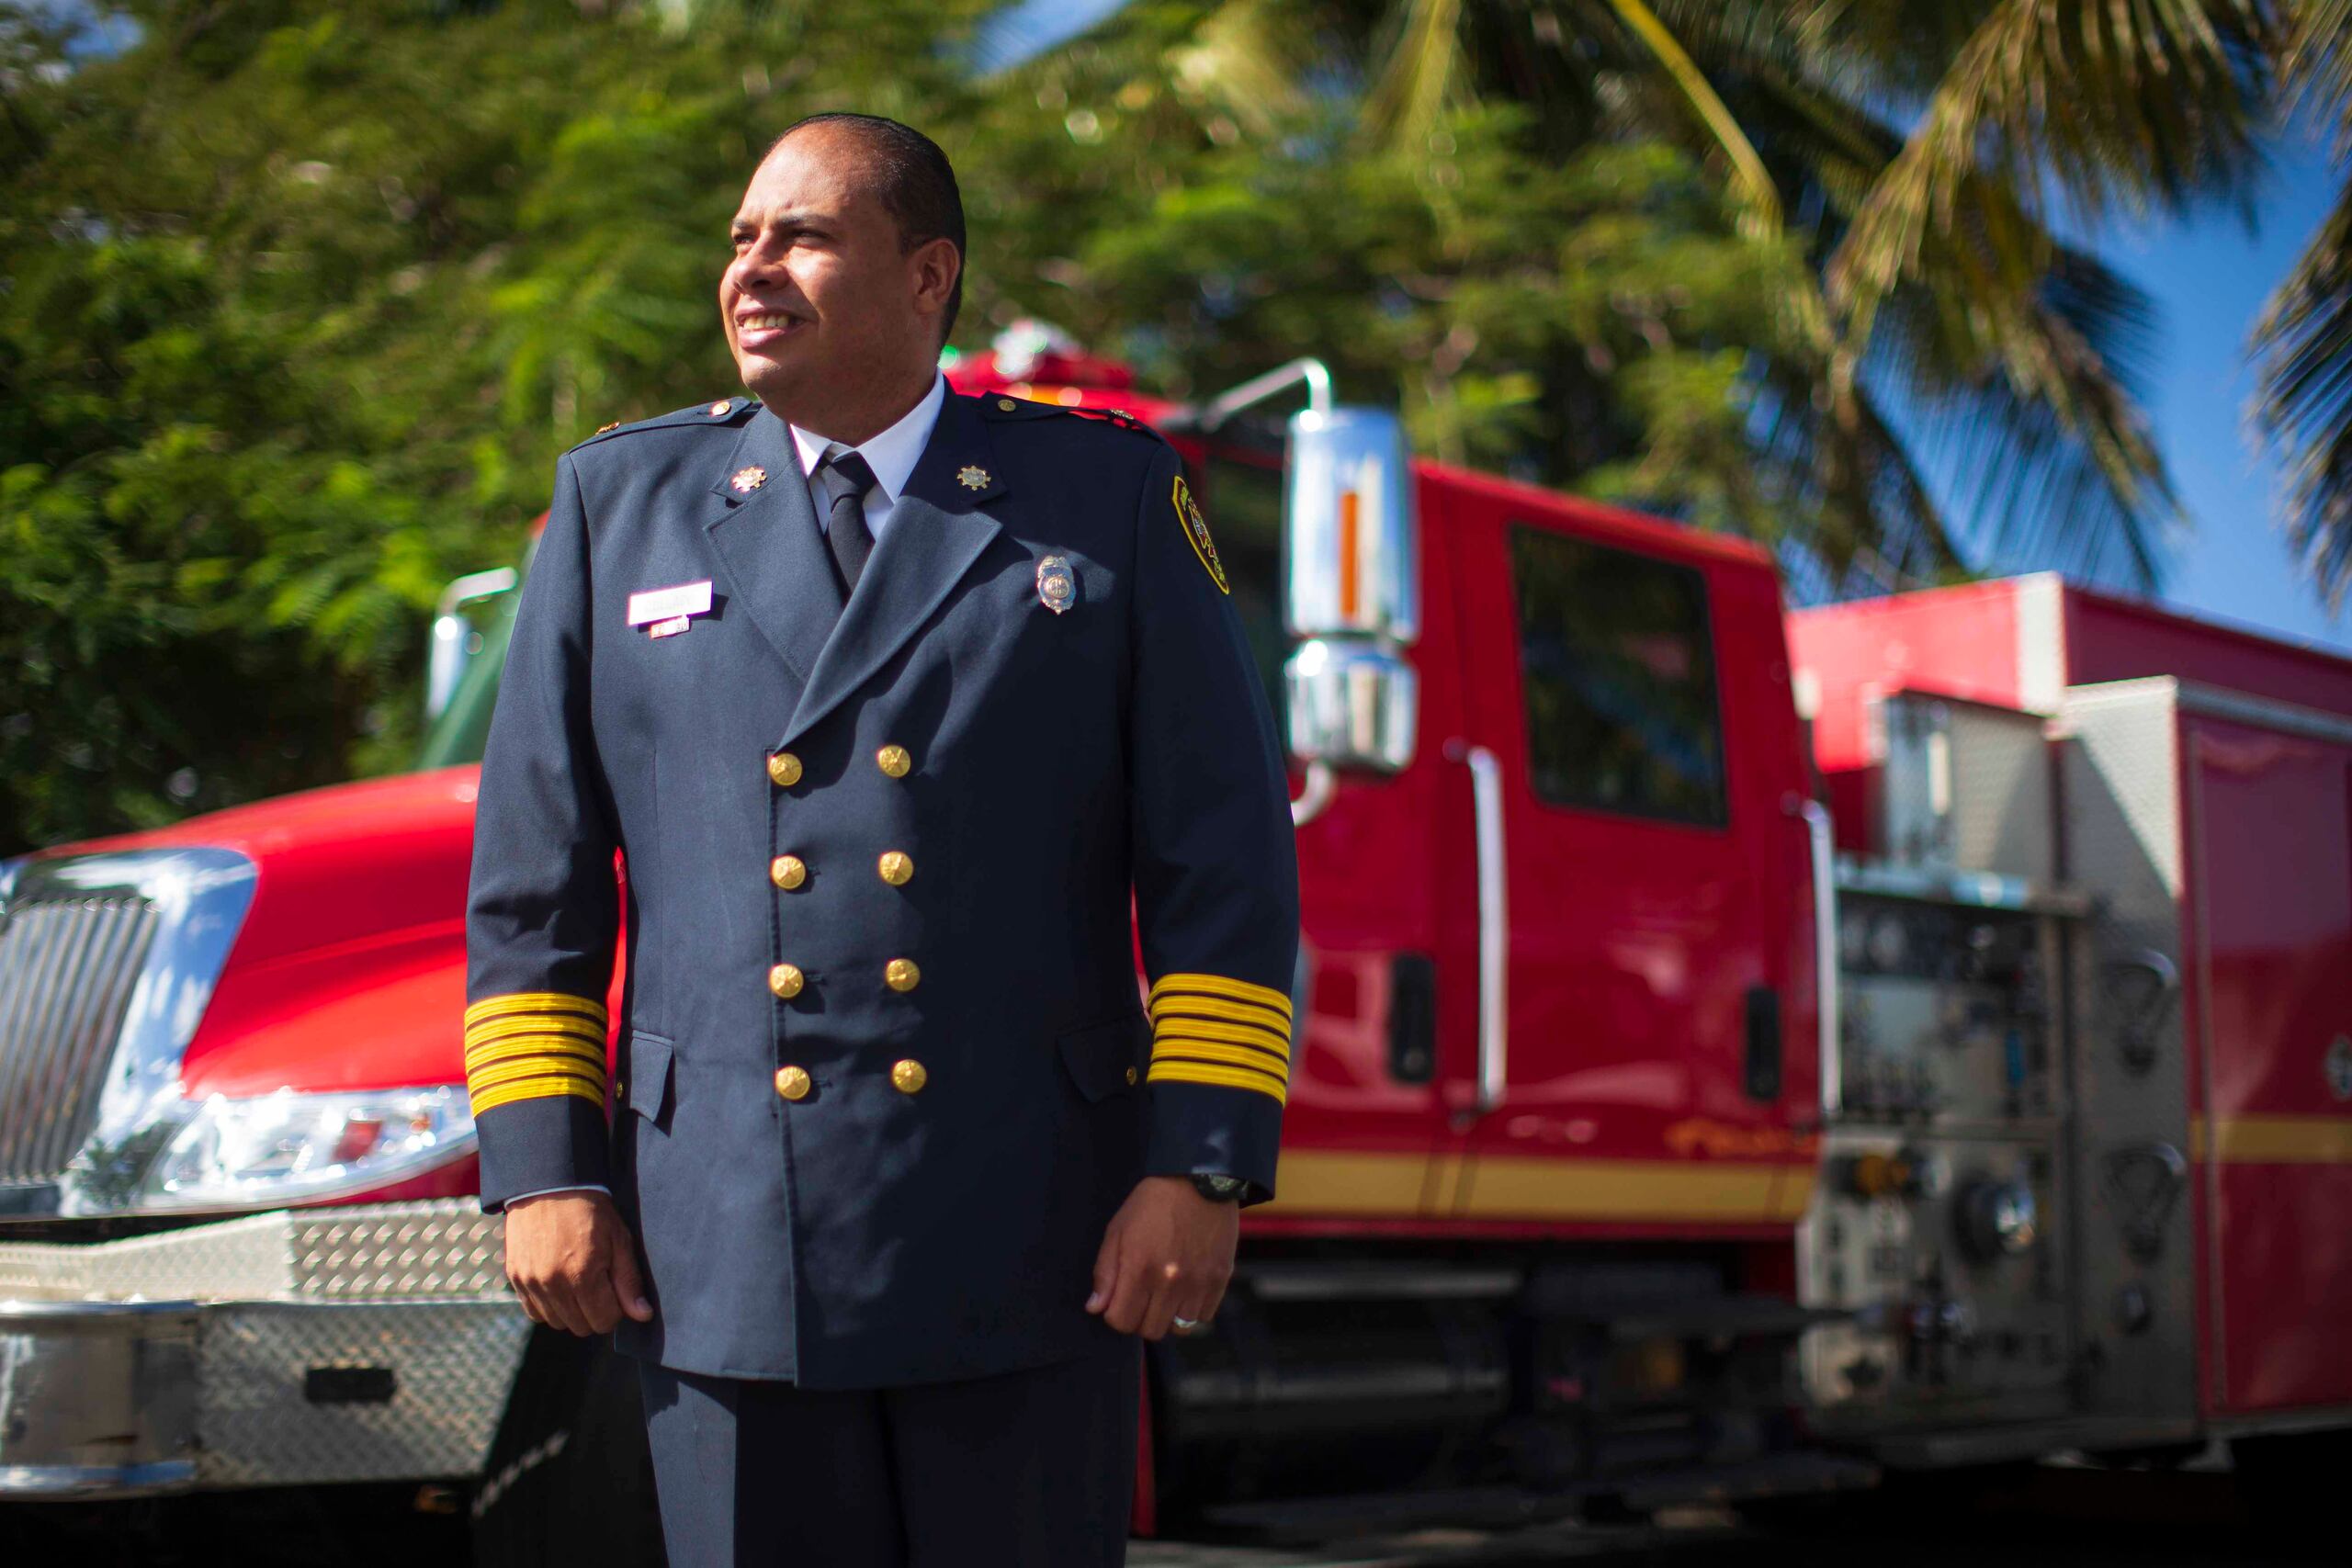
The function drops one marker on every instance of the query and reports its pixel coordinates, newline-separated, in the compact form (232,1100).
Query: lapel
(770,549)
(936,531)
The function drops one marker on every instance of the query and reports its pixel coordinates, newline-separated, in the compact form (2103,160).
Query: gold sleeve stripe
(558,1018)
(535,1002)
(542,1082)
(533,1046)
(539,1061)
(503,1036)
(1218,985)
(537,1088)
(1176,1002)
(1193,1028)
(1239,1056)
(528,1044)
(1170,1070)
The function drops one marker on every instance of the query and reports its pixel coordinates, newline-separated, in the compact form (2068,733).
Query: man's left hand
(1167,1254)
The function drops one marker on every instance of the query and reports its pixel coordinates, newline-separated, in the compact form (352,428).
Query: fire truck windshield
(460,731)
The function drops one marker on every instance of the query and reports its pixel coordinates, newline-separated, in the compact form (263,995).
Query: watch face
(1219,1186)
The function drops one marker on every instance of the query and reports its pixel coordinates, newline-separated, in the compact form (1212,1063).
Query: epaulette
(722,412)
(999,405)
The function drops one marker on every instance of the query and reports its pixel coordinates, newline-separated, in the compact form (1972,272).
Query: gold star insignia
(749,480)
(972,478)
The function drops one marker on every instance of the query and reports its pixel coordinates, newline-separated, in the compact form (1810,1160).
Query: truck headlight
(288,1147)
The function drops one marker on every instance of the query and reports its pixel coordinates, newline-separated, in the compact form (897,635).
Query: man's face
(824,313)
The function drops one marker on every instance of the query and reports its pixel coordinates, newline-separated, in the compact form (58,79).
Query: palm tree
(2304,340)
(1923,153)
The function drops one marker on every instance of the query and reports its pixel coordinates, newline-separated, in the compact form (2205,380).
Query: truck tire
(569,1480)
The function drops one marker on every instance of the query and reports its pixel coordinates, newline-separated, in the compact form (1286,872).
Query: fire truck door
(2270,905)
(1621,1095)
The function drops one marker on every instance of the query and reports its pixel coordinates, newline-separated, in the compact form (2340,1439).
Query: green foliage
(300,304)
(301,301)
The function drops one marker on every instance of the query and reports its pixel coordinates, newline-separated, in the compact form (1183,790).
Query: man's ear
(936,266)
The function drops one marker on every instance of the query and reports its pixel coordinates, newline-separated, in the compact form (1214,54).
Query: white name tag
(667,604)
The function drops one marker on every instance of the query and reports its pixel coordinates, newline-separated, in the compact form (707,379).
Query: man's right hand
(571,1260)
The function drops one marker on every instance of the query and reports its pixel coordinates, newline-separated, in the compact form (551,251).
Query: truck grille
(67,970)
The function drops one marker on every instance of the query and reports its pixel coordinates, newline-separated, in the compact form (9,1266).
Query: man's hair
(915,182)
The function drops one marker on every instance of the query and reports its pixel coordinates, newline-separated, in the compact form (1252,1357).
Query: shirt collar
(893,453)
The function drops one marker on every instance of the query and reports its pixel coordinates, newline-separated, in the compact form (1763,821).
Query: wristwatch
(1220,1188)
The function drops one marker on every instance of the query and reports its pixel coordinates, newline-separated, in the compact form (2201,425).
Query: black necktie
(845,529)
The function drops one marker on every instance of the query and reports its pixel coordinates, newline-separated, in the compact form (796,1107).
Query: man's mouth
(757,327)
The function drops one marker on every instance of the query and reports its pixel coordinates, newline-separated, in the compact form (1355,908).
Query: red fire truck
(1741,1051)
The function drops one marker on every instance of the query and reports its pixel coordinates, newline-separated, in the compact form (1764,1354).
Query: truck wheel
(569,1480)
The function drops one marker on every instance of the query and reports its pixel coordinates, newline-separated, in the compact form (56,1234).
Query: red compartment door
(2270,904)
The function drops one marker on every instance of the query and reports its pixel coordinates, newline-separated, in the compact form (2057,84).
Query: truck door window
(1620,676)
(1244,504)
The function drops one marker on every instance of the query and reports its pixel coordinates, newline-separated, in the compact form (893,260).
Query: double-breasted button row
(901,975)
(788,872)
(784,768)
(907,1076)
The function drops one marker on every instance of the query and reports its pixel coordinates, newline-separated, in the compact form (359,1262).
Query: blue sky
(2210,278)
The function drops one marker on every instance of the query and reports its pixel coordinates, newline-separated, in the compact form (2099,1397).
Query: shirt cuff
(542,1192)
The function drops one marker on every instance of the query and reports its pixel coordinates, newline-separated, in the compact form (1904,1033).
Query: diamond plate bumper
(308,1346)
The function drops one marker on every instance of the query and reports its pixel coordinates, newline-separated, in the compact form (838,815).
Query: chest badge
(1057,584)
(749,480)
(972,476)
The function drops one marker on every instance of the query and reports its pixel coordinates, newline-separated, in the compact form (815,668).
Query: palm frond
(2127,107)
(1423,74)
(2316,64)
(2030,400)
(2303,347)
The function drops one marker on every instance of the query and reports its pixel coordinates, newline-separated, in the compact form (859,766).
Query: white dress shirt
(892,455)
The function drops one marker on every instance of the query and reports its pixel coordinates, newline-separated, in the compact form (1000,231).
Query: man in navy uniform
(891,700)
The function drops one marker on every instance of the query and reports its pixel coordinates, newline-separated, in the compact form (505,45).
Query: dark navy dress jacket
(886,1068)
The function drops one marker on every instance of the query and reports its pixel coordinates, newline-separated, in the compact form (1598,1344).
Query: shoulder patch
(1197,532)
(721,412)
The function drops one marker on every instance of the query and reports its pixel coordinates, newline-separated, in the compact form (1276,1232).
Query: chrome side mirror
(453,640)
(1348,528)
(1352,703)
(1352,589)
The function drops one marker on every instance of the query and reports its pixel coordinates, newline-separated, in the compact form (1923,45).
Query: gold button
(788,872)
(1007,405)
(793,1083)
(894,761)
(901,975)
(784,769)
(785,979)
(896,866)
(1131,1075)
(908,1075)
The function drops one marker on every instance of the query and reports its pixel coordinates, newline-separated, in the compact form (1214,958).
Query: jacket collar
(937,530)
(893,453)
(767,542)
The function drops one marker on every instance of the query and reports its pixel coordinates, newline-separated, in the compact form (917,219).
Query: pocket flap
(645,1084)
(1107,1057)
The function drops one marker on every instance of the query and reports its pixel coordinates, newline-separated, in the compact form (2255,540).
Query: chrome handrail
(1494,921)
(1821,837)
